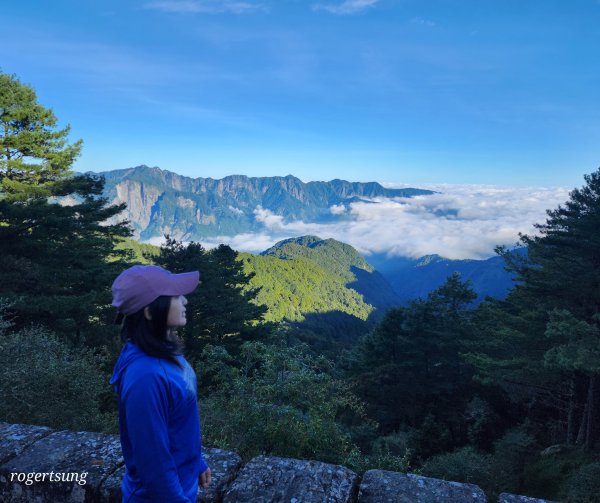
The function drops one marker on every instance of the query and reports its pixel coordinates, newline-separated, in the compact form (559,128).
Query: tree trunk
(571,413)
(591,406)
(582,426)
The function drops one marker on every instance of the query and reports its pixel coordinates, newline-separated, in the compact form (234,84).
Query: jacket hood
(129,354)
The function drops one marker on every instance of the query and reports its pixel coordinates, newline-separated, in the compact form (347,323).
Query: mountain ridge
(163,202)
(415,278)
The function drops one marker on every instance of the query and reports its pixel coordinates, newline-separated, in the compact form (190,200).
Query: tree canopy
(547,331)
(57,233)
(34,154)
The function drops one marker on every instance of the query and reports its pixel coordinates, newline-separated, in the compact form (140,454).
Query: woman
(158,407)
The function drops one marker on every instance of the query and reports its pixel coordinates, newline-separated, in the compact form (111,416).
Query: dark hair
(152,336)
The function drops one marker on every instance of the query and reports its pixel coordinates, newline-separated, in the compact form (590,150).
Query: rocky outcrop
(140,201)
(281,480)
(40,465)
(515,498)
(60,467)
(379,486)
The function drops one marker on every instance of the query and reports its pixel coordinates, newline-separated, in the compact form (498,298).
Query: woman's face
(176,314)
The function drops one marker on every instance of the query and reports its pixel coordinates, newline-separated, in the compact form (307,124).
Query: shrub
(45,381)
(584,485)
(511,454)
(463,465)
(274,400)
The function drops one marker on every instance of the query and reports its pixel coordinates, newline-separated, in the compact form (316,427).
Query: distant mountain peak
(429,259)
(329,253)
(306,241)
(340,259)
(162,202)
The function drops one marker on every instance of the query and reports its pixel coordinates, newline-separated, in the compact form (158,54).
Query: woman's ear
(147,314)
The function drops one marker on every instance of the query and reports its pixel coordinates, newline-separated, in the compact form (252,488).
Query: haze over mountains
(415,278)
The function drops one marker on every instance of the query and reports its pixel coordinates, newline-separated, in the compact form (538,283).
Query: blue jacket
(160,428)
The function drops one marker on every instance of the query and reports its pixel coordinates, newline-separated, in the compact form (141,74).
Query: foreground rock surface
(79,460)
(93,466)
(224,466)
(515,498)
(380,486)
(283,480)
(15,438)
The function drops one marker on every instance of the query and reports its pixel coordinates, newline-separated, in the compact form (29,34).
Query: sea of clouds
(457,222)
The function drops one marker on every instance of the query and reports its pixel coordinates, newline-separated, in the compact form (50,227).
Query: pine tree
(56,243)
(34,155)
(409,370)
(559,288)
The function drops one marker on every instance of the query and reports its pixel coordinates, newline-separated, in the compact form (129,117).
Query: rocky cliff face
(160,202)
(40,465)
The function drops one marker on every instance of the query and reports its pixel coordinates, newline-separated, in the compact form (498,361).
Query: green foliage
(462,465)
(500,472)
(380,458)
(511,454)
(56,260)
(342,262)
(315,303)
(55,240)
(547,476)
(542,344)
(34,155)
(509,345)
(535,355)
(141,253)
(482,423)
(275,400)
(580,348)
(330,255)
(584,485)
(294,288)
(562,269)
(45,381)
(409,369)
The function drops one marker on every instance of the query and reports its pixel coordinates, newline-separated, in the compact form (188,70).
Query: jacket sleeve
(147,411)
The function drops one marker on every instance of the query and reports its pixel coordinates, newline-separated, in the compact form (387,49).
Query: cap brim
(182,284)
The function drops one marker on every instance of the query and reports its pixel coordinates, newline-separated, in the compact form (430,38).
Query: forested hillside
(343,261)
(323,288)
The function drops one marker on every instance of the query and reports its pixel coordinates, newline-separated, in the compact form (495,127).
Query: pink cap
(139,285)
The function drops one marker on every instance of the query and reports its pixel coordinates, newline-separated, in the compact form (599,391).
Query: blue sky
(402,91)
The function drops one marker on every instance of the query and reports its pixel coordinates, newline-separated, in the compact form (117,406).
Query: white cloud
(346,7)
(204,6)
(248,242)
(337,209)
(459,222)
(236,210)
(271,221)
(423,22)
